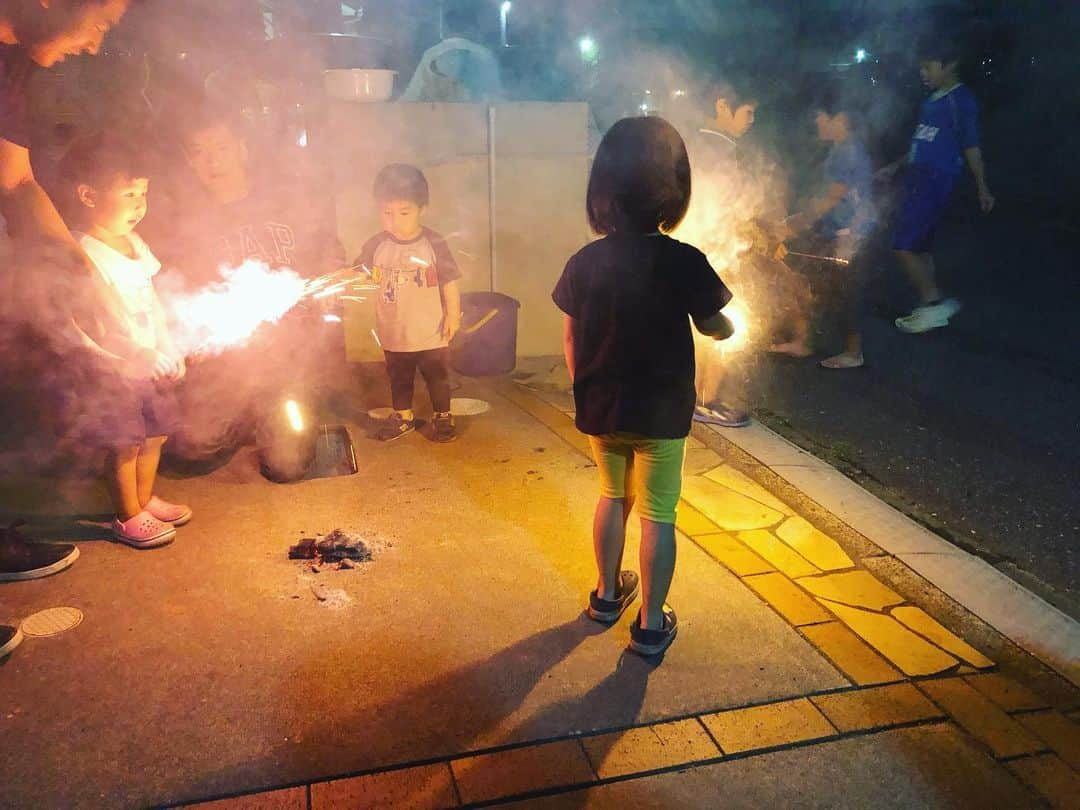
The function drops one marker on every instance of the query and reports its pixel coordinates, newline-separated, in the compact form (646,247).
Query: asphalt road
(973,429)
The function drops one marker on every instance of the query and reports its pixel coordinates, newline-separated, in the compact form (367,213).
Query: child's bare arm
(451,296)
(568,344)
(718,326)
(978,170)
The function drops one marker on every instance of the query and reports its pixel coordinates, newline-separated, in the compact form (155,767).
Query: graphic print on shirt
(271,243)
(926,133)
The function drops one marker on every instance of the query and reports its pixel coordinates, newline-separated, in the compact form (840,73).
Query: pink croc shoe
(143,531)
(174,513)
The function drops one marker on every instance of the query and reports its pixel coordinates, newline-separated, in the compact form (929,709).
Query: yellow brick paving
(876,640)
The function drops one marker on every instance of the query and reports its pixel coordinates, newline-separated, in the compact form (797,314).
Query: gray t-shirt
(410,275)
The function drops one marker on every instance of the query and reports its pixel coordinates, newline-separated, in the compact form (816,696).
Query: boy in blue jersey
(947,136)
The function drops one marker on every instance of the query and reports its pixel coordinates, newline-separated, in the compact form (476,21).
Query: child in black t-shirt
(628,300)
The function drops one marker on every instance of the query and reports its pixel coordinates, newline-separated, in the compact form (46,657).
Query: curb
(1024,618)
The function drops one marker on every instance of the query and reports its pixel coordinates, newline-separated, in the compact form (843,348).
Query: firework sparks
(227,313)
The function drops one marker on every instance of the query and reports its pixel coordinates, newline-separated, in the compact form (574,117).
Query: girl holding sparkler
(132,414)
(628,301)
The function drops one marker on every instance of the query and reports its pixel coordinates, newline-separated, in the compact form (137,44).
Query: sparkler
(833,259)
(228,312)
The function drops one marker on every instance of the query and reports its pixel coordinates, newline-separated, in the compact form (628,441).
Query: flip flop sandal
(653,642)
(608,611)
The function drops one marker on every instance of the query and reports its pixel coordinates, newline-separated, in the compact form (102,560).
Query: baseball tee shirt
(948,124)
(410,275)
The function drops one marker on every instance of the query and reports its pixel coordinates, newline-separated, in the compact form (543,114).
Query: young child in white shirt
(132,414)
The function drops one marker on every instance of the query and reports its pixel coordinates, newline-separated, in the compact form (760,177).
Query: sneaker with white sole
(931,316)
(175,513)
(22,559)
(143,531)
(395,427)
(10,638)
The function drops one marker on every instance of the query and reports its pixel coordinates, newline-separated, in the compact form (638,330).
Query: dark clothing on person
(16,68)
(631,297)
(434,366)
(288,225)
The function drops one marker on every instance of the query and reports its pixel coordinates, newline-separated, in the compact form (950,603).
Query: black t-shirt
(281,225)
(16,68)
(631,297)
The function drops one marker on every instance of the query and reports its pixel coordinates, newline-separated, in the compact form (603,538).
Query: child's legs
(615,462)
(658,484)
(919,268)
(435,369)
(927,198)
(146,467)
(401,369)
(121,479)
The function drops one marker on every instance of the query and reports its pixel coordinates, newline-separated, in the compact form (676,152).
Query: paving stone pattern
(877,640)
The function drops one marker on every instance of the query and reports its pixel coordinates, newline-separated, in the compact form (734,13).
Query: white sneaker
(932,316)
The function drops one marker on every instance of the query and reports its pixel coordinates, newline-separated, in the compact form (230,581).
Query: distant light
(587,46)
(302,140)
(292,410)
(644,108)
(860,55)
(680,93)
(506,6)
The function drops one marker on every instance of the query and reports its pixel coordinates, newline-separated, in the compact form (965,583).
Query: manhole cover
(52,622)
(468,407)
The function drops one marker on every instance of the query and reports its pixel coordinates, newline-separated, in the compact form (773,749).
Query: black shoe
(10,638)
(653,642)
(442,429)
(608,611)
(395,427)
(22,559)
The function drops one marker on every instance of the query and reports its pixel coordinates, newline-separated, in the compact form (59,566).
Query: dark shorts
(123,413)
(926,196)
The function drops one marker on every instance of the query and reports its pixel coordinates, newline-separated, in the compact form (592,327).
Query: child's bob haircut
(640,179)
(400,181)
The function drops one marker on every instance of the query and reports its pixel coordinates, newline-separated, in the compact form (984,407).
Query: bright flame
(296,420)
(227,313)
(737,313)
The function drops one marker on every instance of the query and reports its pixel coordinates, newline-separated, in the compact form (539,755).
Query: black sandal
(608,611)
(653,642)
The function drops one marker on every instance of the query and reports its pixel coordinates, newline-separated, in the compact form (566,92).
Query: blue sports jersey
(948,124)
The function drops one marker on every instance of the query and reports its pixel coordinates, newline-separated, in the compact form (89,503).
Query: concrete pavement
(456,668)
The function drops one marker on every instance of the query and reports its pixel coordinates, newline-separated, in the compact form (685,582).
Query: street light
(860,55)
(504,19)
(587,46)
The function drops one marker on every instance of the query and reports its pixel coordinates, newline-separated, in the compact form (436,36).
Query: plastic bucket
(486,346)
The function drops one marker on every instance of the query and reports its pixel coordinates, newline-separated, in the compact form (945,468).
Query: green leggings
(649,469)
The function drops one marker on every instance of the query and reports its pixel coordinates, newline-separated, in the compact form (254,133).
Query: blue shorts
(926,196)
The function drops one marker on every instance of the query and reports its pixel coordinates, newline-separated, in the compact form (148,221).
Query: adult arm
(31,216)
(25,205)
